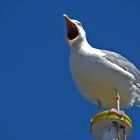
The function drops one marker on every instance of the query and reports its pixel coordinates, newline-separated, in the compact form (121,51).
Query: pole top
(107,119)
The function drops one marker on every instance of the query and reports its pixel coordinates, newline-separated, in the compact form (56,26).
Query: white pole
(110,133)
(110,126)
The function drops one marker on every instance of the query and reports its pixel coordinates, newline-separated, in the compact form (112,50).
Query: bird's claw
(118,112)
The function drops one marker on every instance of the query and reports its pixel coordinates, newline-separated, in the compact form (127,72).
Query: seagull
(103,77)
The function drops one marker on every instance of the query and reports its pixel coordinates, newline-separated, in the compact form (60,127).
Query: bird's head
(75,31)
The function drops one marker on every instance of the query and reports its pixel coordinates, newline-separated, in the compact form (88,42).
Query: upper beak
(69,23)
(67,19)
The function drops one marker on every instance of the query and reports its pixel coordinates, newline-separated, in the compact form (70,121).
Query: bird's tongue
(72,32)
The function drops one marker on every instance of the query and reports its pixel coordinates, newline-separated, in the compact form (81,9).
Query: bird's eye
(79,23)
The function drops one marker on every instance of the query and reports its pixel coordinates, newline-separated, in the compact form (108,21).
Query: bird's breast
(97,80)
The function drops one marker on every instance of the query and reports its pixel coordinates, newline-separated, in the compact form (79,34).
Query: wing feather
(123,63)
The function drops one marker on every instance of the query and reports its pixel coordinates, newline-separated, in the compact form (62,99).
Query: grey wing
(128,66)
(123,63)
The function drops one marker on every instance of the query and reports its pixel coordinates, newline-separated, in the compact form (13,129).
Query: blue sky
(38,98)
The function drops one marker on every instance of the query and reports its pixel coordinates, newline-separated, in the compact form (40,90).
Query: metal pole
(110,133)
(111,126)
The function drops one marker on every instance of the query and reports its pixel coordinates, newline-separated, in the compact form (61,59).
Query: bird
(103,77)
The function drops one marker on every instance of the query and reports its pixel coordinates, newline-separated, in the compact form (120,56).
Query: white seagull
(103,77)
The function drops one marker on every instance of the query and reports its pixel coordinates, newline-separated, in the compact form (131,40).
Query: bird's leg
(117,98)
(100,109)
(100,106)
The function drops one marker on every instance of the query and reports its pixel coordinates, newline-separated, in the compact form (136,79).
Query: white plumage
(99,73)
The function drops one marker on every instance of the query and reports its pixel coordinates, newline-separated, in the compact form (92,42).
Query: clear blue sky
(38,98)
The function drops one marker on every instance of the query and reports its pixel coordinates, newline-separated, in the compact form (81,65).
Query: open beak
(72,29)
